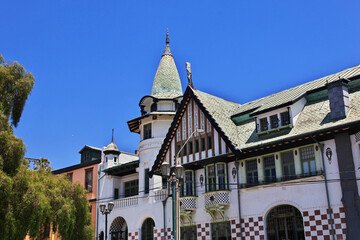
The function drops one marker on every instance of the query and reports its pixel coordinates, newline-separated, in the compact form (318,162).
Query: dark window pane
(196,145)
(146,181)
(147,131)
(274,121)
(263,124)
(209,142)
(190,143)
(285,118)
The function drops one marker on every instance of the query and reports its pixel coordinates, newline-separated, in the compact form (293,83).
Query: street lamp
(174,179)
(105,211)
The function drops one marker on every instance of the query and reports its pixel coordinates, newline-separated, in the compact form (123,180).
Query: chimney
(338,94)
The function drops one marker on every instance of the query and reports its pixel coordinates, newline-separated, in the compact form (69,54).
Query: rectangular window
(190,143)
(189,188)
(216,177)
(184,150)
(269,168)
(263,124)
(221,176)
(211,178)
(307,156)
(116,193)
(188,233)
(203,144)
(288,166)
(221,231)
(285,118)
(146,191)
(209,142)
(70,176)
(196,145)
(88,179)
(274,121)
(147,131)
(252,172)
(132,188)
(115,160)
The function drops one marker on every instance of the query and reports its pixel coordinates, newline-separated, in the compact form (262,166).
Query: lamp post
(174,178)
(105,211)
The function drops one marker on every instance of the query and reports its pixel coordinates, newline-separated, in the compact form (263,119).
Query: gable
(191,116)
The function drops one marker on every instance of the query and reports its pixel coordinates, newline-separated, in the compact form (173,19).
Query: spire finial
(167,37)
(112,137)
(167,47)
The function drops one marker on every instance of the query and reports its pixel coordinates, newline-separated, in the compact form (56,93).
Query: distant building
(85,174)
(268,169)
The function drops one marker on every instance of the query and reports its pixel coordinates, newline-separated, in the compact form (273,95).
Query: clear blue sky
(94,60)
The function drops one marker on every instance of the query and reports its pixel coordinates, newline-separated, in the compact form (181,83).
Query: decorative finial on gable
(189,74)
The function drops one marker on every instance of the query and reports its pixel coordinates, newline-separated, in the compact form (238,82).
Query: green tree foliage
(31,199)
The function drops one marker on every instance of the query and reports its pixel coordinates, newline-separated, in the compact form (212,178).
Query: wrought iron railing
(282,179)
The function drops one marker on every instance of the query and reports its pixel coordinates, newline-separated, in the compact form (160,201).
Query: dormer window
(285,118)
(272,122)
(263,124)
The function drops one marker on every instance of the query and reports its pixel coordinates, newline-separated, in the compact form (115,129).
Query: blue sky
(94,60)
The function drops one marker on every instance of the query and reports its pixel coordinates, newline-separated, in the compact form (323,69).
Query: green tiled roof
(167,81)
(314,116)
(291,94)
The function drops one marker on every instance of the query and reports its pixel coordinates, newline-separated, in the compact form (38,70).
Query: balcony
(126,202)
(218,198)
(282,179)
(160,195)
(188,203)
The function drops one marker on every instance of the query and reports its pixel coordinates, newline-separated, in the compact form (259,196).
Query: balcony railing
(161,195)
(217,198)
(126,202)
(282,179)
(188,203)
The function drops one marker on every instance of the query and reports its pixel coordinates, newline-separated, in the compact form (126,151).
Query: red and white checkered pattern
(134,236)
(317,224)
(159,234)
(203,231)
(252,228)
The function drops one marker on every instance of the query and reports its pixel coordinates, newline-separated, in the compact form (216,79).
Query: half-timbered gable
(190,145)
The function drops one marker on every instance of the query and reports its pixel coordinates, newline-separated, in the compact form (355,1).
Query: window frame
(255,179)
(146,181)
(87,171)
(131,188)
(290,175)
(192,182)
(147,131)
(264,124)
(308,161)
(271,169)
(212,186)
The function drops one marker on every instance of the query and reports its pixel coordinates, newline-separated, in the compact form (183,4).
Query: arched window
(118,229)
(147,229)
(284,222)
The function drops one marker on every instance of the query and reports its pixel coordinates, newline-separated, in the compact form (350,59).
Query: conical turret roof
(167,81)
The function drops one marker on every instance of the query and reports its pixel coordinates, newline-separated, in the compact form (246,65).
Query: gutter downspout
(238,197)
(321,146)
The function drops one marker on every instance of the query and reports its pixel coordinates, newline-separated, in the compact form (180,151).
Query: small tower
(157,113)
(111,153)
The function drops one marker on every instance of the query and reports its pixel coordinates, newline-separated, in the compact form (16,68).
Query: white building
(277,163)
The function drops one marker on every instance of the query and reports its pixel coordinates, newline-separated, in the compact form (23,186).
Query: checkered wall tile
(159,234)
(134,236)
(317,224)
(203,231)
(252,228)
